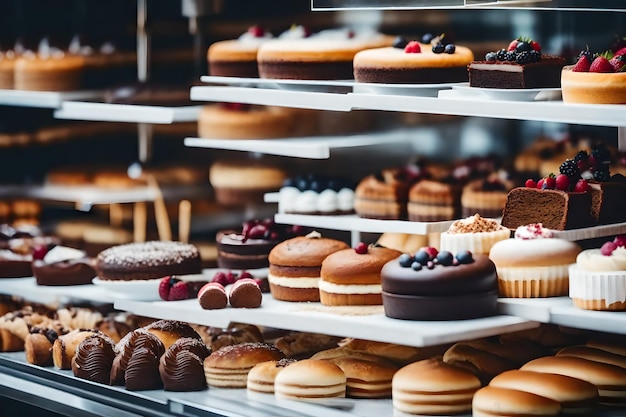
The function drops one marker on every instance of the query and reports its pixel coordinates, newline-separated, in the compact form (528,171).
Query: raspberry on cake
(521,65)
(595,79)
(413,63)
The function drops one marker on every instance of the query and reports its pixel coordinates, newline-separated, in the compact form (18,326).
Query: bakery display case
(59,391)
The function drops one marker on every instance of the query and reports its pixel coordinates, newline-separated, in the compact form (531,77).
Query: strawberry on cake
(596,78)
(520,65)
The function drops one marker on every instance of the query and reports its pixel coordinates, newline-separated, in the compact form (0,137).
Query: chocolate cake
(558,210)
(545,73)
(608,200)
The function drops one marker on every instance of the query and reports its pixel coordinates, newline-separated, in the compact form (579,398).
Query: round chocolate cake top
(152,253)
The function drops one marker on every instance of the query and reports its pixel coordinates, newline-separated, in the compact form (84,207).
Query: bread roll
(310,378)
(496,402)
(399,354)
(575,395)
(64,347)
(366,379)
(483,364)
(593,354)
(262,376)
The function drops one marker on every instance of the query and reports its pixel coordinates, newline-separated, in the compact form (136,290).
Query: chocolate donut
(464,288)
(147,260)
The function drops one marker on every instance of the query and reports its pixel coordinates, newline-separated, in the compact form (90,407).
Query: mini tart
(529,268)
(255,122)
(391,65)
(593,87)
(350,278)
(474,234)
(598,282)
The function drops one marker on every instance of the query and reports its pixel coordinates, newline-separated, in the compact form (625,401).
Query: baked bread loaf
(169,331)
(38,344)
(574,395)
(262,376)
(493,401)
(302,345)
(483,364)
(593,354)
(64,348)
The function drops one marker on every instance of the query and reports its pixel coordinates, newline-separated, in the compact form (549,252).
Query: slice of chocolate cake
(558,210)
(608,200)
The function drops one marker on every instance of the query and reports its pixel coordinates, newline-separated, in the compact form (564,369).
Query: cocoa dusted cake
(147,260)
(521,65)
(428,62)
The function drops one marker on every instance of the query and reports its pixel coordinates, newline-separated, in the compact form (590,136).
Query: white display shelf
(561,311)
(450,102)
(590,232)
(316,147)
(28,289)
(352,222)
(84,197)
(106,112)
(283,84)
(339,321)
(273,97)
(44,99)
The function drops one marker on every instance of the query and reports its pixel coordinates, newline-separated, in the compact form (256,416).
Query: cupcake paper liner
(594,290)
(475,242)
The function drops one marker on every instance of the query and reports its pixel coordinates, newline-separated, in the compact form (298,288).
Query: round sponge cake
(391,65)
(352,278)
(295,266)
(593,87)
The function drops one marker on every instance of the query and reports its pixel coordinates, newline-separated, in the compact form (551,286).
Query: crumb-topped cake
(520,65)
(431,61)
(473,233)
(147,260)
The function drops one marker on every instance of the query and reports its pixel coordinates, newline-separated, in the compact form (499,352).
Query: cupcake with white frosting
(598,279)
(534,263)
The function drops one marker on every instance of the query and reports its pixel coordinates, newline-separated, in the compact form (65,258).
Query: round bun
(483,364)
(304,251)
(262,376)
(310,378)
(228,367)
(366,379)
(147,260)
(493,402)
(433,387)
(517,351)
(573,394)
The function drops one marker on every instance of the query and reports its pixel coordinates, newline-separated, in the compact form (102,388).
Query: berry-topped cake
(316,194)
(520,65)
(598,279)
(432,285)
(249,247)
(237,57)
(596,78)
(431,61)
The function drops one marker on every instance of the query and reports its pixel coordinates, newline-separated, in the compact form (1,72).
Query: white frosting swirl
(250,39)
(533,231)
(345,199)
(294,32)
(287,198)
(327,201)
(593,260)
(306,202)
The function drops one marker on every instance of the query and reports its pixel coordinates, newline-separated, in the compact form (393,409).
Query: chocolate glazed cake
(545,73)
(411,75)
